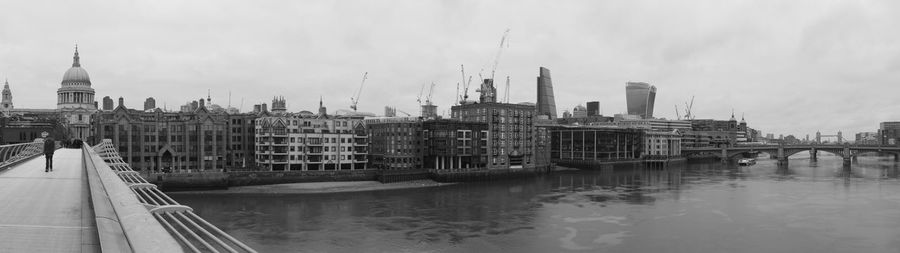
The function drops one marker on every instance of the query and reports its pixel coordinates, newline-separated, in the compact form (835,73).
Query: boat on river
(746,161)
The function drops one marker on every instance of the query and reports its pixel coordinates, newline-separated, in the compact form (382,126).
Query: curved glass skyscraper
(640,98)
(546,104)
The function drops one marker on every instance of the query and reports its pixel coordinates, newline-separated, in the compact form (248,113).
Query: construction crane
(430,92)
(355,99)
(457,94)
(677,114)
(688,108)
(499,50)
(465,96)
(419,98)
(407,114)
(506,97)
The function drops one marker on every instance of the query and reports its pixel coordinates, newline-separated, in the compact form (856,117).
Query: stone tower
(6,105)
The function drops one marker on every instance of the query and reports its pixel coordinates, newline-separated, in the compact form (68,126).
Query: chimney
(121,102)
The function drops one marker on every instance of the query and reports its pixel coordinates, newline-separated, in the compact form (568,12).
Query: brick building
(179,141)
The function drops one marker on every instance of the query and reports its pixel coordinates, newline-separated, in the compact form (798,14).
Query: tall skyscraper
(488,91)
(546,104)
(640,98)
(593,108)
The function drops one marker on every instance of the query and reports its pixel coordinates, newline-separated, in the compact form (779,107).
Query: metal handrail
(15,153)
(190,230)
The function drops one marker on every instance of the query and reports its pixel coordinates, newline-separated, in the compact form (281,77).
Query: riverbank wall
(223,180)
(471,175)
(621,164)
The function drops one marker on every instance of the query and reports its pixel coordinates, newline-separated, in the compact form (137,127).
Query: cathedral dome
(76,74)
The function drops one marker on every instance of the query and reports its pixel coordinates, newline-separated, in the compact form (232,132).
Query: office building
(662,144)
(867,138)
(593,108)
(640,98)
(590,143)
(546,103)
(889,132)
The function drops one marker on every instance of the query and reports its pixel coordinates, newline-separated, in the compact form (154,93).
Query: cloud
(791,67)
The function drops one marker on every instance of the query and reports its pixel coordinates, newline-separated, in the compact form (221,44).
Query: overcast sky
(791,67)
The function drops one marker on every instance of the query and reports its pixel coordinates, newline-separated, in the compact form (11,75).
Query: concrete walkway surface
(47,211)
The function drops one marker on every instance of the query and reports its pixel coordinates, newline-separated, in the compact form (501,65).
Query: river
(696,207)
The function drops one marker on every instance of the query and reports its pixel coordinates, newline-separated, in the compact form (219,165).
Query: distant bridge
(782,152)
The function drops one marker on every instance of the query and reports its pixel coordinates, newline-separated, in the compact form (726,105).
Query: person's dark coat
(49,145)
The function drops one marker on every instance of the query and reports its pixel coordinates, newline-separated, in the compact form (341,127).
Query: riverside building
(413,143)
(511,141)
(453,144)
(395,143)
(572,144)
(200,140)
(311,143)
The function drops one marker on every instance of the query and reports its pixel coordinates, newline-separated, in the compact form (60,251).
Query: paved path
(47,211)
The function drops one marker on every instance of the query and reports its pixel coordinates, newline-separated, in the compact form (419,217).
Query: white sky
(791,67)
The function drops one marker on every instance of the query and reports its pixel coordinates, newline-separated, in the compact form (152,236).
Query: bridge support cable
(191,231)
(183,240)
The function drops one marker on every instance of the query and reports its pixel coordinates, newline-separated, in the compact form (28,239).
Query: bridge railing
(192,232)
(123,222)
(14,153)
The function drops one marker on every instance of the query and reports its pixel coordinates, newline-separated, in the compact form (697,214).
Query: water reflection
(793,206)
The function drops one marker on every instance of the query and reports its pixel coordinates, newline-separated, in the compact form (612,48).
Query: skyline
(790,68)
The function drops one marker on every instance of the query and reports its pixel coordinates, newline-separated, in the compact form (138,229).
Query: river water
(696,207)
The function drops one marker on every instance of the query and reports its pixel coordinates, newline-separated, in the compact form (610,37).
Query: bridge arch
(736,153)
(836,152)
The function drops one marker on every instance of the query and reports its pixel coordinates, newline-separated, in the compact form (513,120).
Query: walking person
(49,148)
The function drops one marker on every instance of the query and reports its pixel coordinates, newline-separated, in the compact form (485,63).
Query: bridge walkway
(47,211)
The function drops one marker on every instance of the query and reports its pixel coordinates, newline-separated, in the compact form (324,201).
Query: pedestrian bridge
(782,152)
(93,201)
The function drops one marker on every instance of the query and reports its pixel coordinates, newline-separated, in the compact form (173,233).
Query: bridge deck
(47,211)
